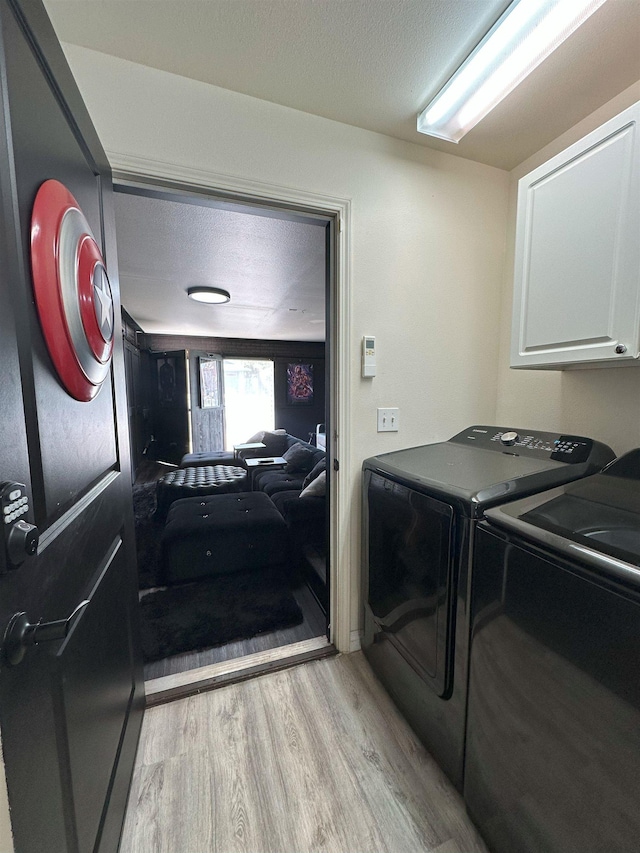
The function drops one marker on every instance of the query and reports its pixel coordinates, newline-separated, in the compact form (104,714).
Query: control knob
(509,438)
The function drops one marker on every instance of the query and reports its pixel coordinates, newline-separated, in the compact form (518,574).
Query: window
(248,397)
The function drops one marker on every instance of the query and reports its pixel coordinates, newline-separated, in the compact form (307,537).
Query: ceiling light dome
(210,295)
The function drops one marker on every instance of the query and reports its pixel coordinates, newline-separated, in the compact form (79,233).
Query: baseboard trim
(168,688)
(355,641)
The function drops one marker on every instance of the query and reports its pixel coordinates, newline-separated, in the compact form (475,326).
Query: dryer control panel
(572,449)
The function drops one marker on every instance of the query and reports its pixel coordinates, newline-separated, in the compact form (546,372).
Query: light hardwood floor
(314,758)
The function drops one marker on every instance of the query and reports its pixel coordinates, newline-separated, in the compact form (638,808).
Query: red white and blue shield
(72,291)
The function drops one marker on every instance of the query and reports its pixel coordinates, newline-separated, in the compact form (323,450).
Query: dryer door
(409,545)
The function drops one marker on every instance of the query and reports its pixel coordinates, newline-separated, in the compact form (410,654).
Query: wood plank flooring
(314,758)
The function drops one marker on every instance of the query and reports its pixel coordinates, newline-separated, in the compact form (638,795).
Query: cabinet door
(577,263)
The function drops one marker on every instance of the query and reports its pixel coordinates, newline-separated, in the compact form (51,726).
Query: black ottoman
(208,457)
(221,534)
(193,482)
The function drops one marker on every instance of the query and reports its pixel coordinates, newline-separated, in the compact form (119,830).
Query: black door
(70,711)
(170,409)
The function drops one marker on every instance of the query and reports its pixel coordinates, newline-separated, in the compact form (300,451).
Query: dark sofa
(305,516)
(299,463)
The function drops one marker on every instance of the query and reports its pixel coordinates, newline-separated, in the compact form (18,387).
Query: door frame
(145,173)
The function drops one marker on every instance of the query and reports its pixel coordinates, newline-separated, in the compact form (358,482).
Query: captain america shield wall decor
(72,291)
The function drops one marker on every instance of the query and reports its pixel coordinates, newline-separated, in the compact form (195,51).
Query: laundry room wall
(427,240)
(602,403)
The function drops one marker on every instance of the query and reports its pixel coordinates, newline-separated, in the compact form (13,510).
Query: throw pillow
(299,459)
(316,489)
(317,469)
(275,442)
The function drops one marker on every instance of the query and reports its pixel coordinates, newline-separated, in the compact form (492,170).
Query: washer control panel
(571,449)
(509,438)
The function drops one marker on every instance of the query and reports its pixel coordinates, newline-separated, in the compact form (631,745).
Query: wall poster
(299,384)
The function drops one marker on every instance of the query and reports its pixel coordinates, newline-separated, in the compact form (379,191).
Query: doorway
(241,377)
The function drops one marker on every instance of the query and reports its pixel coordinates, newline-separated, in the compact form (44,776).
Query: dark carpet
(215,611)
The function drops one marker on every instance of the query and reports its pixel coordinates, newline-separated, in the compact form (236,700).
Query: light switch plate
(388,420)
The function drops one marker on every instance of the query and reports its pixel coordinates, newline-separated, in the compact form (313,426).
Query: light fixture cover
(520,40)
(209,295)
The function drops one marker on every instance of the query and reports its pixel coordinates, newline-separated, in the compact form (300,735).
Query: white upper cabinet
(577,260)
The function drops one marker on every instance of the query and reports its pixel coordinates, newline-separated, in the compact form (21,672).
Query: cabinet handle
(621,348)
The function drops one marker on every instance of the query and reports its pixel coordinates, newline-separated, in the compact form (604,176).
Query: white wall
(427,239)
(603,403)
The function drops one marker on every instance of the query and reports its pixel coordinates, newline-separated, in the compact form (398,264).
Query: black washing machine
(421,507)
(553,729)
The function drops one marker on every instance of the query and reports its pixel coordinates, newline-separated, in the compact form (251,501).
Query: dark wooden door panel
(94,687)
(15,436)
(74,162)
(77,561)
(78,446)
(70,712)
(77,441)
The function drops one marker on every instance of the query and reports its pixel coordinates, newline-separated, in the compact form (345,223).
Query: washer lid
(601,512)
(478,469)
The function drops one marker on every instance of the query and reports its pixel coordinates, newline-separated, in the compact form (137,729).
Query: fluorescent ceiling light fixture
(210,295)
(521,39)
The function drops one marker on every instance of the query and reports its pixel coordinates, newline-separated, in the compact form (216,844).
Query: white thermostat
(368,355)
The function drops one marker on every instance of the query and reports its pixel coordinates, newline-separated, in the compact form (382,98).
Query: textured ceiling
(370,63)
(274,269)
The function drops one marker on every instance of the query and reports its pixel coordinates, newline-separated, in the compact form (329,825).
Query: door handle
(21,634)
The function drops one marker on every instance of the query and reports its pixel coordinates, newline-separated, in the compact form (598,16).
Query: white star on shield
(103,302)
